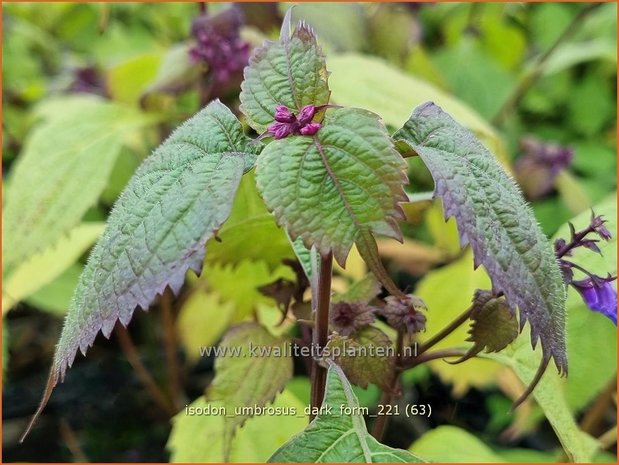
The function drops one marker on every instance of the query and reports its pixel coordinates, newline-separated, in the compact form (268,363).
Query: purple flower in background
(219,45)
(596,291)
(539,165)
(88,80)
(286,123)
(599,295)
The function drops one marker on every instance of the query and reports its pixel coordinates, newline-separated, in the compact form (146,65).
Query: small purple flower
(599,295)
(404,314)
(286,123)
(349,317)
(596,291)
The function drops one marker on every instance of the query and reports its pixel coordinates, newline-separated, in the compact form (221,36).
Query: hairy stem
(170,347)
(380,425)
(128,348)
(537,70)
(321,330)
(429,356)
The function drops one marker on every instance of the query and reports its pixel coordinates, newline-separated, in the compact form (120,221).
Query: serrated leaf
(42,268)
(493,325)
(290,72)
(494,218)
(335,437)
(248,379)
(158,229)
(62,170)
(199,438)
(358,356)
(329,188)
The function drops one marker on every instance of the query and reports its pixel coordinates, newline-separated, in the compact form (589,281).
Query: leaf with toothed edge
(175,202)
(267,369)
(331,188)
(494,218)
(291,72)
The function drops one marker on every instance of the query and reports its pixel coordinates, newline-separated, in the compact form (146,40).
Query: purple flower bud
(306,115)
(599,295)
(280,130)
(283,114)
(597,225)
(349,317)
(404,315)
(310,129)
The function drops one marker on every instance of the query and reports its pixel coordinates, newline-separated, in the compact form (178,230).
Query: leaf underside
(331,188)
(157,230)
(291,72)
(339,438)
(494,218)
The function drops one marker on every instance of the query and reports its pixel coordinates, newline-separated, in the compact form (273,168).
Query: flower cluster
(597,291)
(539,165)
(219,45)
(286,123)
(88,80)
(349,317)
(403,314)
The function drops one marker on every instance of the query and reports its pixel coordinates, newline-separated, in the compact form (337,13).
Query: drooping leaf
(64,167)
(199,438)
(494,218)
(175,202)
(42,268)
(329,188)
(248,379)
(291,72)
(364,357)
(335,436)
(493,325)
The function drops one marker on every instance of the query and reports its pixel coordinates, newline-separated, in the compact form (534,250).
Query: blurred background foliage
(90,89)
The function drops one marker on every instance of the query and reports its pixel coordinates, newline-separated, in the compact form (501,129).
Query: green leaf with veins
(494,218)
(291,72)
(247,380)
(61,172)
(330,188)
(337,437)
(175,202)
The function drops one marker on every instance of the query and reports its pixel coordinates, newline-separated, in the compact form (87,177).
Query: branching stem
(455,324)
